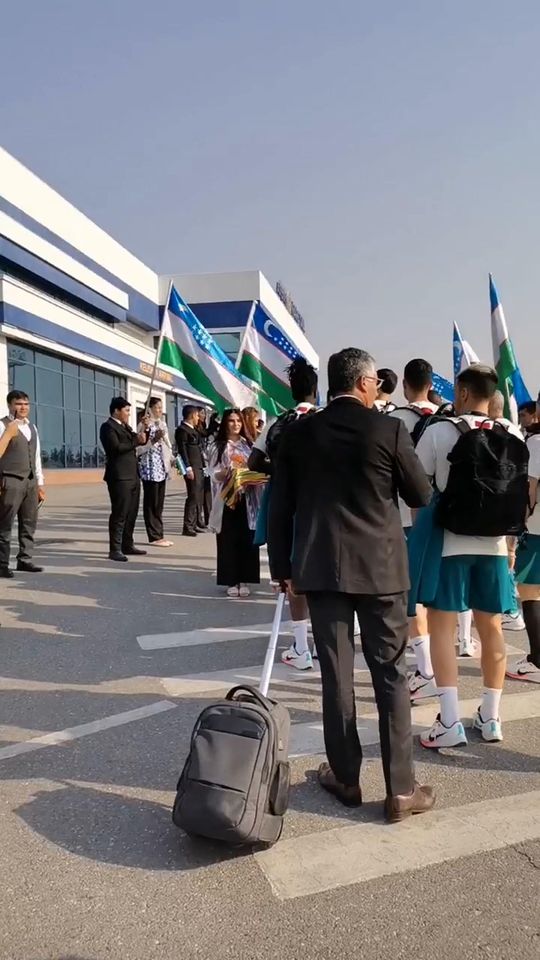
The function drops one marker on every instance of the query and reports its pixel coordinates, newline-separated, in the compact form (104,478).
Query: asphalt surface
(92,867)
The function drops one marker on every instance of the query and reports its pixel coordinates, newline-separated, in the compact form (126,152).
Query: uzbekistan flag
(187,348)
(267,351)
(464,354)
(511,382)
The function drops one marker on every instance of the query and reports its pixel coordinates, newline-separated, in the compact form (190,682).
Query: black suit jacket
(333,505)
(189,444)
(119,443)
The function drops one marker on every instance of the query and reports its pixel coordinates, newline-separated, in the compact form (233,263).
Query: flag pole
(158,349)
(246,331)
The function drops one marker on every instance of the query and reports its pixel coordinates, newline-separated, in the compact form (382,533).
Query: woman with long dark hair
(237,557)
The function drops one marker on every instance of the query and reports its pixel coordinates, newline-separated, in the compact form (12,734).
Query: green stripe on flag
(275,389)
(506,367)
(172,356)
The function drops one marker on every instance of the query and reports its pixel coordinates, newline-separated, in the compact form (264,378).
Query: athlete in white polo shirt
(473,575)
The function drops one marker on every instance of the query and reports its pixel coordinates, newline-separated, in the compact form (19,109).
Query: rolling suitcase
(235,783)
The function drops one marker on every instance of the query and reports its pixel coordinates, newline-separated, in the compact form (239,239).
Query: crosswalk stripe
(194,638)
(310,864)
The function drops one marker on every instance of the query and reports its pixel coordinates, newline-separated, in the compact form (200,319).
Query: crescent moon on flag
(268,328)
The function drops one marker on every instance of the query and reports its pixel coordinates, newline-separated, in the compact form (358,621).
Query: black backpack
(275,433)
(425,418)
(487,493)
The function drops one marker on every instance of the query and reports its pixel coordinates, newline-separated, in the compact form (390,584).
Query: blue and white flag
(443,387)
(464,354)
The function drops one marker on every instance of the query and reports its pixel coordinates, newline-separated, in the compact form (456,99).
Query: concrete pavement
(104,669)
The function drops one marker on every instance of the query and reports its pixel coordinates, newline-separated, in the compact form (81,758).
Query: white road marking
(316,862)
(85,729)
(194,638)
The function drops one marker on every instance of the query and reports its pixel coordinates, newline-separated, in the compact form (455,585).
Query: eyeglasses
(376,380)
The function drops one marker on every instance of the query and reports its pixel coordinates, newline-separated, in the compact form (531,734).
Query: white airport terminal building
(79,318)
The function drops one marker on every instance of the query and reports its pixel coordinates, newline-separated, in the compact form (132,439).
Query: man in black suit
(335,534)
(189,444)
(122,478)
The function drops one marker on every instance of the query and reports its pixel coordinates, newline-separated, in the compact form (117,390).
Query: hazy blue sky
(378,158)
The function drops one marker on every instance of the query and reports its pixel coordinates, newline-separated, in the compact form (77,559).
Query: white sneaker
(233,593)
(244,591)
(441,736)
(524,670)
(301,661)
(513,622)
(490,729)
(467,647)
(421,688)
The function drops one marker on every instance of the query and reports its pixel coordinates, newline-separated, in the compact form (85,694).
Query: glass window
(69,403)
(48,361)
(71,394)
(88,396)
(48,387)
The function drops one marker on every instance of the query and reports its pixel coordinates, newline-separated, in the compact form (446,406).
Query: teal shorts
(474,583)
(528,560)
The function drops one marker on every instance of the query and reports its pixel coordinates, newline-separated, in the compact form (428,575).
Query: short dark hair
(302,379)
(528,407)
(480,379)
(16,395)
(389,380)
(345,369)
(153,400)
(188,409)
(118,403)
(418,374)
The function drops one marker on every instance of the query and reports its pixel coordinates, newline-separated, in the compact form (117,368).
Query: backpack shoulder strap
(462,426)
(409,409)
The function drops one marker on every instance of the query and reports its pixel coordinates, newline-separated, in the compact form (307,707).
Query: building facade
(80,316)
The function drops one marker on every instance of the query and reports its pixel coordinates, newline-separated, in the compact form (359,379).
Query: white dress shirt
(24,428)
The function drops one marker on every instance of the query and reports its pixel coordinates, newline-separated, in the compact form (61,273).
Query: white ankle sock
(421,650)
(301,644)
(464,625)
(448,697)
(491,701)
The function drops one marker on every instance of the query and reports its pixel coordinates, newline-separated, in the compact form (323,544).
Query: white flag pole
(158,350)
(246,331)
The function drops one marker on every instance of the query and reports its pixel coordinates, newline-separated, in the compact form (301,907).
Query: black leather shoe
(25,567)
(135,552)
(119,557)
(6,573)
(189,533)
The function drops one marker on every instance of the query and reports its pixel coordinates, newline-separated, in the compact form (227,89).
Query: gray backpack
(235,783)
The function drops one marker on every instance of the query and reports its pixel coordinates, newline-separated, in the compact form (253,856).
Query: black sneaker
(6,573)
(25,566)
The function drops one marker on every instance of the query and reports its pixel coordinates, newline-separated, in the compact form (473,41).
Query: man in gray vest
(21,485)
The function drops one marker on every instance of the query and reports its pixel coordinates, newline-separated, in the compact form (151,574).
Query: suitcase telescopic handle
(272,644)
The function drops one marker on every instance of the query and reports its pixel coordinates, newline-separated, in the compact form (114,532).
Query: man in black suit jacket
(122,478)
(189,444)
(335,534)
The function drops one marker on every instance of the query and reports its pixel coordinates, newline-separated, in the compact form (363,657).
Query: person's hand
(12,429)
(189,473)
(145,422)
(511,559)
(159,434)
(41,494)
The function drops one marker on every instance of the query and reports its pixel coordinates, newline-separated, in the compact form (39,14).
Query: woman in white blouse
(154,466)
(237,557)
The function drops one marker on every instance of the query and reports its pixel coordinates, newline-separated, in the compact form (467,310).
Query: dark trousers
(383,624)
(237,558)
(125,495)
(18,498)
(194,501)
(206,507)
(153,503)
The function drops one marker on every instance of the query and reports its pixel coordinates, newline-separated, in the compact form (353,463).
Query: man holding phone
(21,484)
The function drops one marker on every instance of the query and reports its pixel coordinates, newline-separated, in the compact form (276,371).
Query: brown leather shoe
(348,796)
(421,800)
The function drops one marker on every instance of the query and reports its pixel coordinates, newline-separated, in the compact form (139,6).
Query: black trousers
(194,501)
(125,496)
(153,503)
(237,558)
(206,508)
(383,624)
(18,498)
